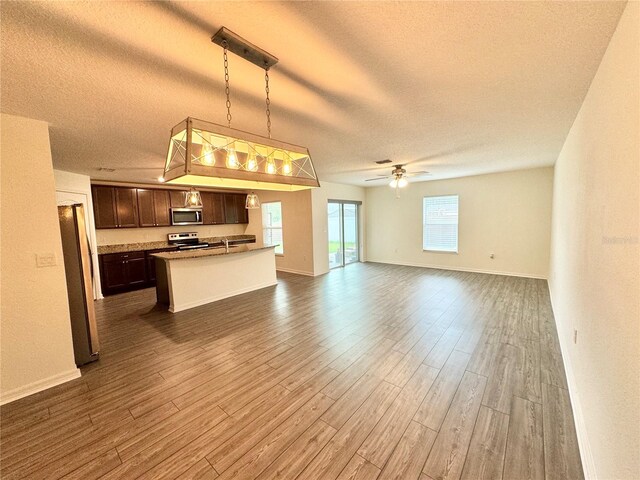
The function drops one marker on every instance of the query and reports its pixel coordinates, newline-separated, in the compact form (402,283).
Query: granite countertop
(136,247)
(210,252)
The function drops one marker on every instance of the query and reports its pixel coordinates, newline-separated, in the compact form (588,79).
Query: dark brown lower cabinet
(124,272)
(151,264)
(120,272)
(151,268)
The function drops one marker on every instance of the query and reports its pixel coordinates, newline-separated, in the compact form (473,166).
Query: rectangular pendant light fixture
(211,155)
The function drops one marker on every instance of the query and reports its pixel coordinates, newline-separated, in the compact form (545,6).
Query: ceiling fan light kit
(398,182)
(211,155)
(398,176)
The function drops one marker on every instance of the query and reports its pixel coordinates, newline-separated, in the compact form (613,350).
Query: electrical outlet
(45,260)
(575,336)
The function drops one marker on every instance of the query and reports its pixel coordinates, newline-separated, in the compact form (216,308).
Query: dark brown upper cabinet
(213,208)
(162,203)
(115,207)
(146,208)
(234,208)
(104,206)
(126,207)
(230,208)
(243,213)
(178,198)
(153,208)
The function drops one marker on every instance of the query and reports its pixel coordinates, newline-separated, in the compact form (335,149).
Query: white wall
(507,214)
(73,188)
(36,345)
(595,260)
(296,229)
(319,198)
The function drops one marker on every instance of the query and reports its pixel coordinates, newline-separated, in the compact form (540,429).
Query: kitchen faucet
(225,240)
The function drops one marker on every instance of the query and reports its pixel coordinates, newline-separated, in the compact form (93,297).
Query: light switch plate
(45,260)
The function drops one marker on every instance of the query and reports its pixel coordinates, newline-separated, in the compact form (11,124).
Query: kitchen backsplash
(115,236)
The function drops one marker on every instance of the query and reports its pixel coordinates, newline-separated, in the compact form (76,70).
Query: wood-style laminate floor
(370,372)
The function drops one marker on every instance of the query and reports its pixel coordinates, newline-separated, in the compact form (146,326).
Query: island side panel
(162,282)
(197,281)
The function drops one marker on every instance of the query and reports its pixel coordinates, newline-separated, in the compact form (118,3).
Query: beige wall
(304,217)
(114,236)
(36,345)
(595,260)
(297,229)
(507,214)
(319,197)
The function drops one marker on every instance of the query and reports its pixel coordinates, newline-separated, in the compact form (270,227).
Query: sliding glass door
(344,246)
(336,259)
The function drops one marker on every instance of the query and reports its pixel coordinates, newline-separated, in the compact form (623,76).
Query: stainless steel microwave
(186,216)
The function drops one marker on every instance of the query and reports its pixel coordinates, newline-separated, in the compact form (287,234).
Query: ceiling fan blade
(417,174)
(371,170)
(381,178)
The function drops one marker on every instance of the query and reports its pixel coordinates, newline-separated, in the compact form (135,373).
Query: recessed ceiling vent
(382,162)
(106,169)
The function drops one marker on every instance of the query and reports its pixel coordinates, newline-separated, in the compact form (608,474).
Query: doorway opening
(344,243)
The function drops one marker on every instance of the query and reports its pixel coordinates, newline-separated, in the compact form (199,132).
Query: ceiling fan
(398,176)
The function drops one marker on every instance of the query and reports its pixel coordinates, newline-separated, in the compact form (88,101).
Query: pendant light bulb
(252,163)
(232,156)
(271,166)
(208,158)
(286,167)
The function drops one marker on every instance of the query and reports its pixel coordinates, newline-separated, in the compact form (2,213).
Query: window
(272,225)
(440,223)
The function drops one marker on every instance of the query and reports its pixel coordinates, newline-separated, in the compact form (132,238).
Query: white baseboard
(35,387)
(586,455)
(297,272)
(461,269)
(215,298)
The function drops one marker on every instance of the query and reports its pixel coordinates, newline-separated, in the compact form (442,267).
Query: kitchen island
(187,279)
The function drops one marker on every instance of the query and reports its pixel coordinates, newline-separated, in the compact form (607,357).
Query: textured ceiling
(456,88)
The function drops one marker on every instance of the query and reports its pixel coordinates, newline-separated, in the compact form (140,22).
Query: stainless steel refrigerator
(79,273)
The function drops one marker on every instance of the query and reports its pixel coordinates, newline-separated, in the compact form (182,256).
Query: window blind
(440,223)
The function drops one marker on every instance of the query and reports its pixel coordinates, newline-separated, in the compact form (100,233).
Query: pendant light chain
(268,101)
(225,46)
